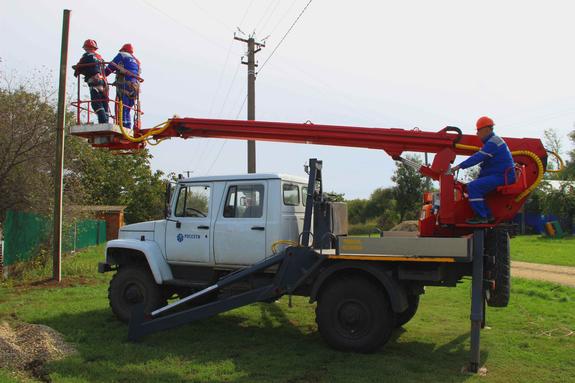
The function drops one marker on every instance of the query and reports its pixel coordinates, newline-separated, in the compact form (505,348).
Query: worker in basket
(91,66)
(495,159)
(127,68)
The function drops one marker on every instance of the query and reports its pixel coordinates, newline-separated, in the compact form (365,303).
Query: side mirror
(167,197)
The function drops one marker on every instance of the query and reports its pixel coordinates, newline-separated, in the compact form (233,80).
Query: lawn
(537,249)
(527,342)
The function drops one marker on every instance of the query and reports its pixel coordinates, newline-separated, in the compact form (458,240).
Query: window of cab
(290,194)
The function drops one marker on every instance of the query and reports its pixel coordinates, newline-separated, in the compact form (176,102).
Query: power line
(220,79)
(226,141)
(230,88)
(284,36)
(182,24)
(283,17)
(267,19)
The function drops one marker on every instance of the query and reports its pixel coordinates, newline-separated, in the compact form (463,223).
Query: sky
(403,64)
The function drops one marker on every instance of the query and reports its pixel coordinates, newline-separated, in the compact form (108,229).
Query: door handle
(260,228)
(203,227)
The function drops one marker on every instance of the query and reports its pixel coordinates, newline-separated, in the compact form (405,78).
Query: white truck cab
(214,225)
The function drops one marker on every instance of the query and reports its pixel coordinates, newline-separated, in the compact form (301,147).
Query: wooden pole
(59,164)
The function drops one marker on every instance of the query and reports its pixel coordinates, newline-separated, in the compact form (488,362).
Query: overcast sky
(364,63)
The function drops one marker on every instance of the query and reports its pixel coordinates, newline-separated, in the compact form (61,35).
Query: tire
(130,286)
(404,317)
(497,247)
(353,314)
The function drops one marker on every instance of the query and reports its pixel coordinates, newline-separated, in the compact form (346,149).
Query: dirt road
(564,275)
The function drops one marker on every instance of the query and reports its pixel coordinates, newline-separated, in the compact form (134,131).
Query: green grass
(526,342)
(537,249)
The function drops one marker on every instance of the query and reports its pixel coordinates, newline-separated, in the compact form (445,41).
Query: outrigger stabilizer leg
(477,300)
(296,264)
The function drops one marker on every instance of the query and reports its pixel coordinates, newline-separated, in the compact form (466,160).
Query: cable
(533,156)
(220,79)
(230,89)
(182,24)
(283,17)
(225,141)
(263,27)
(270,4)
(284,36)
(559,161)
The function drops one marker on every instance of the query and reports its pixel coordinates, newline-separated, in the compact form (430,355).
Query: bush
(363,228)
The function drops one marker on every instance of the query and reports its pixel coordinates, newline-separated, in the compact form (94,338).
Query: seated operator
(495,159)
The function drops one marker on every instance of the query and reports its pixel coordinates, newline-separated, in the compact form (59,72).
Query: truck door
(188,231)
(240,228)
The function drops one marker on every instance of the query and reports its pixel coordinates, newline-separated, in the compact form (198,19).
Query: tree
(569,172)
(560,201)
(109,179)
(408,192)
(27,123)
(91,176)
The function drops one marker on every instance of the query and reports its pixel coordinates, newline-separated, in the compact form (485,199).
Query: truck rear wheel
(133,285)
(404,317)
(497,246)
(353,314)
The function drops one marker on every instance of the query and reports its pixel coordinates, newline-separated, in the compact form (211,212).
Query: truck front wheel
(353,314)
(133,285)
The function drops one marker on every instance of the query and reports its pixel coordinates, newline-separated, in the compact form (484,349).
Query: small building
(113,215)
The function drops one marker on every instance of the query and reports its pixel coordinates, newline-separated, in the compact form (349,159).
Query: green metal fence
(24,234)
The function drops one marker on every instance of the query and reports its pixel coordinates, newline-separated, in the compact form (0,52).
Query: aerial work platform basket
(112,135)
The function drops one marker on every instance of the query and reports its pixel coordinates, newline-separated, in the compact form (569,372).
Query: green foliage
(409,189)
(336,197)
(378,211)
(559,201)
(91,176)
(364,228)
(110,179)
(27,123)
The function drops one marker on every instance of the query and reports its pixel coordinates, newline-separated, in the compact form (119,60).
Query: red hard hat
(90,44)
(127,48)
(484,122)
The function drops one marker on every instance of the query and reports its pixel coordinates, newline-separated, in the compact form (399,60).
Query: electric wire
(286,13)
(225,141)
(204,148)
(264,15)
(284,36)
(267,21)
(183,24)
(540,169)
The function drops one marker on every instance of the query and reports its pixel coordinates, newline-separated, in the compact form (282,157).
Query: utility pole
(59,163)
(253,48)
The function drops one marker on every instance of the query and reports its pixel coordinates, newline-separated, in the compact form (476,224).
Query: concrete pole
(251,102)
(59,163)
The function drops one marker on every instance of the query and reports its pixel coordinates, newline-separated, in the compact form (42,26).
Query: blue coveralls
(495,159)
(94,77)
(127,85)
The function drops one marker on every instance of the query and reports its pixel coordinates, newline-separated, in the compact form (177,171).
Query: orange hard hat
(127,48)
(91,44)
(484,122)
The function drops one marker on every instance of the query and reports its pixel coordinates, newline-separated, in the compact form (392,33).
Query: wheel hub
(353,318)
(133,294)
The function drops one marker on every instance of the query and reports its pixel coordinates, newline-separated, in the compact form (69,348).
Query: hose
(559,159)
(158,129)
(533,156)
(283,242)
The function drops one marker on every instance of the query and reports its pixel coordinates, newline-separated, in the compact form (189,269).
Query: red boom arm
(454,209)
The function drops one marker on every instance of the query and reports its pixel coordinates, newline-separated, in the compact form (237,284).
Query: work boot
(478,220)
